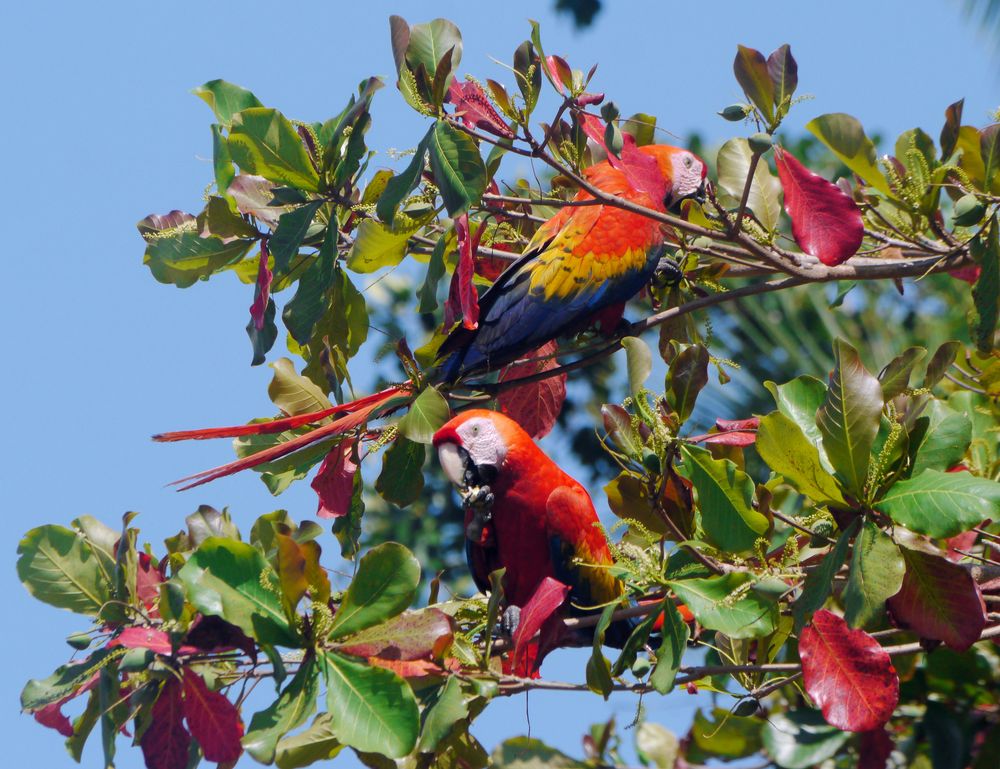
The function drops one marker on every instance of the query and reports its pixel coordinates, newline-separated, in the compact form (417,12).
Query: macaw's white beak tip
(452,463)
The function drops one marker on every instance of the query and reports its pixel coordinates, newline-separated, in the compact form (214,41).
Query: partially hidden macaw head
(472,447)
(684,171)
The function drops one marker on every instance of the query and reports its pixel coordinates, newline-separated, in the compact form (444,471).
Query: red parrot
(582,265)
(526,515)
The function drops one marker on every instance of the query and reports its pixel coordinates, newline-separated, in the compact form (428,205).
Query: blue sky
(101,130)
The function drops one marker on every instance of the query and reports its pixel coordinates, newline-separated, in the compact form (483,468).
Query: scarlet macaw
(582,265)
(539,523)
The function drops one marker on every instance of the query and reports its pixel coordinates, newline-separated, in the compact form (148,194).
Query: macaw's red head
(472,447)
(684,171)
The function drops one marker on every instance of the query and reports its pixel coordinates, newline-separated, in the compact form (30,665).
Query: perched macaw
(582,265)
(537,522)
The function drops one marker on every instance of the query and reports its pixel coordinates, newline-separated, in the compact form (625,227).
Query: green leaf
(941,361)
(989,147)
(263,339)
(317,743)
(786,450)
(457,167)
(725,735)
(295,704)
(849,417)
(750,69)
(347,528)
(876,574)
(941,504)
(403,183)
(262,141)
(222,162)
(801,739)
(598,671)
(376,246)
(430,42)
(292,227)
(637,639)
(59,567)
(384,585)
(181,256)
(372,708)
(435,271)
(939,438)
(895,377)
(986,291)
(529,753)
(293,393)
(686,376)
(846,138)
(225,99)
(725,498)
(426,415)
(726,603)
(799,400)
(639,362)
(402,478)
(629,499)
(819,582)
(670,653)
(67,679)
(528,71)
(220,220)
(307,306)
(765,190)
(447,710)
(232,580)
(342,329)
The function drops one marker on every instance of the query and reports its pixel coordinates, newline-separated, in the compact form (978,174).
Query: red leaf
(641,170)
(969,274)
(729,425)
(214,720)
(334,483)
(734,438)
(408,668)
(534,405)
(475,109)
(462,296)
(940,600)
(143,638)
(963,541)
(543,604)
(213,634)
(847,674)
(875,748)
(826,223)
(165,742)
(147,583)
(52,716)
(560,72)
(262,292)
(409,636)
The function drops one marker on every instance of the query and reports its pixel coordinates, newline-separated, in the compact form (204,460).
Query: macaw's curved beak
(461,470)
(699,194)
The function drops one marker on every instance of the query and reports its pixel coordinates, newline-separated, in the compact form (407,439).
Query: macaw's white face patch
(481,443)
(689,173)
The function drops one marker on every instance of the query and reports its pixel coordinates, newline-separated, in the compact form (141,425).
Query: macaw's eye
(688,161)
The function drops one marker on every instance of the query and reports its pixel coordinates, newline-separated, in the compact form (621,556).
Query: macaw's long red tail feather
(276,425)
(357,413)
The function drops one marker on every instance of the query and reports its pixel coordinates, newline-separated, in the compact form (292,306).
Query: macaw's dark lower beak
(699,194)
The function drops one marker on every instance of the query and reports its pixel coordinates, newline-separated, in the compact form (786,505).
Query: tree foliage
(832,551)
